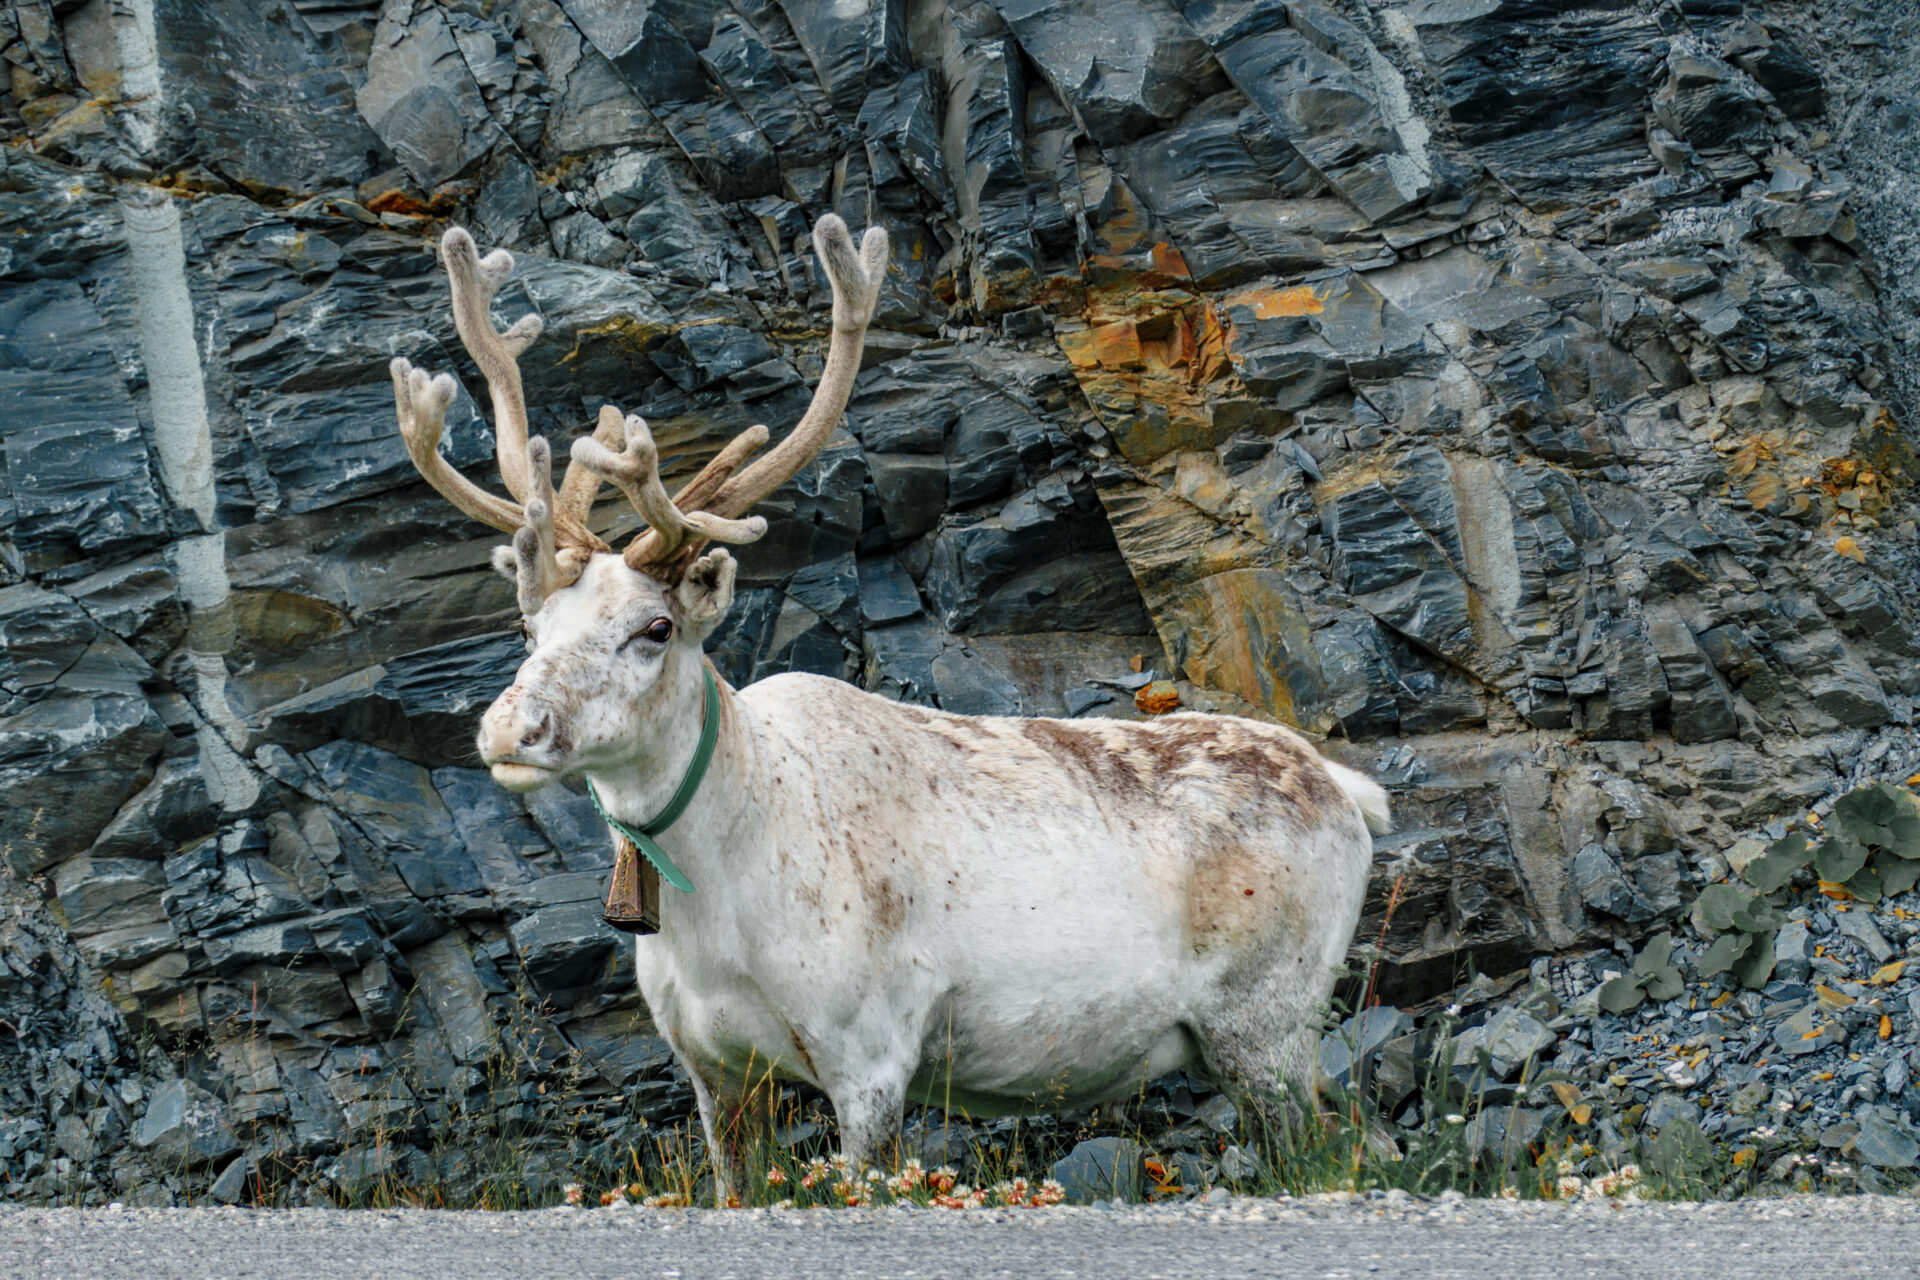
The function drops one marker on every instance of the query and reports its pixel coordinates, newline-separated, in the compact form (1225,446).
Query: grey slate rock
(1514,1039)
(1806,1032)
(231,1186)
(80,477)
(304,136)
(1081,701)
(420,97)
(1792,948)
(493,826)
(1124,68)
(887,594)
(101,894)
(172,810)
(566,947)
(1551,102)
(185,1126)
(1859,926)
(1598,880)
(1668,1107)
(394,802)
(1885,1145)
(1358,1038)
(446,982)
(1500,1132)
(66,764)
(1100,1169)
(912,489)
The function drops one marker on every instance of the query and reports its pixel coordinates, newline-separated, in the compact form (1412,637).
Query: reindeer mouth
(515,776)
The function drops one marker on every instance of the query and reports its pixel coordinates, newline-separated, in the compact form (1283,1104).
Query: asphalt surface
(1482,1240)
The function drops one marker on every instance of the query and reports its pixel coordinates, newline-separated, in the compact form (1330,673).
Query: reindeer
(888,902)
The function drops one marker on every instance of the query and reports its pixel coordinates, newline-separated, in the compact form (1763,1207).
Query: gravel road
(1323,1238)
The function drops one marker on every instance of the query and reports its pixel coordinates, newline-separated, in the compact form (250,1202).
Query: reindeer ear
(706,592)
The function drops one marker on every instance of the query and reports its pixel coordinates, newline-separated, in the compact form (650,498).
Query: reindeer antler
(712,505)
(551,541)
(636,471)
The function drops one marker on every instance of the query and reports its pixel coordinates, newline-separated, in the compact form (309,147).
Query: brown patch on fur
(1161,756)
(800,1047)
(1077,746)
(889,909)
(809,891)
(1234,894)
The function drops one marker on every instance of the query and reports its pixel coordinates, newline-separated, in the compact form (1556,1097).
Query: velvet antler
(551,541)
(714,504)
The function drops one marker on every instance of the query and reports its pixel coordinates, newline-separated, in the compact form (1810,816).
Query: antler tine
(422,401)
(703,486)
(475,280)
(537,566)
(638,474)
(636,471)
(856,281)
(581,486)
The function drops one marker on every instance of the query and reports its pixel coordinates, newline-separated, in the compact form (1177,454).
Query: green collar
(696,771)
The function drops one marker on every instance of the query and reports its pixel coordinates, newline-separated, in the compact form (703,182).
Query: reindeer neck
(638,789)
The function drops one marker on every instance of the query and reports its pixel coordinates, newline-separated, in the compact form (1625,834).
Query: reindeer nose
(539,731)
(515,727)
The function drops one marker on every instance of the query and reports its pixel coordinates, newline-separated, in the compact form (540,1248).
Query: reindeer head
(612,638)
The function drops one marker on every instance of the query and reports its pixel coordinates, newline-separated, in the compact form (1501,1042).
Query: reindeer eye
(659,631)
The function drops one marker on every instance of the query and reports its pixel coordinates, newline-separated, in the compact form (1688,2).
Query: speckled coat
(994,915)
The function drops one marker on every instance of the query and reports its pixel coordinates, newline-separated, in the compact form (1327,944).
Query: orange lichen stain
(1356,473)
(1847,547)
(1168,260)
(1210,359)
(1117,345)
(1158,698)
(396,201)
(1273,304)
(1081,349)
(1766,490)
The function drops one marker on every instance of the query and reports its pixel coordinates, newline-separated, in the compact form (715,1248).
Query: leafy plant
(1742,921)
(1653,974)
(1874,847)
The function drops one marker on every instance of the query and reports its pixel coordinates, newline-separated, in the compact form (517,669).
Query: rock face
(1515,394)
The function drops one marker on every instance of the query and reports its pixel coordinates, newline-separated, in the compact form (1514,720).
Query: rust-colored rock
(1158,698)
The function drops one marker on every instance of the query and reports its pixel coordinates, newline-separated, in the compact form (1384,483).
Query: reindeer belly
(1052,1075)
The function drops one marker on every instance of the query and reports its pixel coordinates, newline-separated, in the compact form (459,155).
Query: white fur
(895,903)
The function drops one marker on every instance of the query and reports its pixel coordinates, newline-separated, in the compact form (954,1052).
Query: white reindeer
(987,914)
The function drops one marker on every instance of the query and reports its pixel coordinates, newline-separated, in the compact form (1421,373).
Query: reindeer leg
(870,1107)
(736,1116)
(721,1116)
